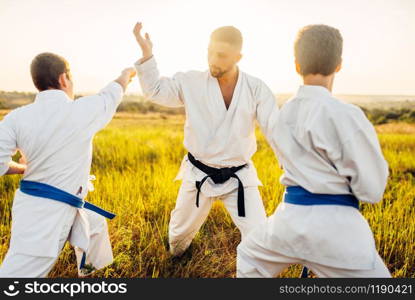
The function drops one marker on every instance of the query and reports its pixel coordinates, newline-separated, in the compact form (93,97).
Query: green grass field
(135,161)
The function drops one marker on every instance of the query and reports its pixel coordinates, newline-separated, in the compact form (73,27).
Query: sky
(95,36)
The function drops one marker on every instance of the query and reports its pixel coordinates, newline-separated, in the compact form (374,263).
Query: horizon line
(279,93)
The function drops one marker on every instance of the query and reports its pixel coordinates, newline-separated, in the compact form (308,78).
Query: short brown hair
(46,69)
(318,49)
(228,34)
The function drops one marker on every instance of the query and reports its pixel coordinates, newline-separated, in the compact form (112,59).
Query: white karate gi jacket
(216,136)
(327,147)
(55,135)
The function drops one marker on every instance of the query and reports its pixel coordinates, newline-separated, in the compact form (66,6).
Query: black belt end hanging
(219,176)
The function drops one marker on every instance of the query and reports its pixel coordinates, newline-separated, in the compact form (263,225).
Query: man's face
(222,57)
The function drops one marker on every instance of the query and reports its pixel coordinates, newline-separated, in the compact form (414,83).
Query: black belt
(219,175)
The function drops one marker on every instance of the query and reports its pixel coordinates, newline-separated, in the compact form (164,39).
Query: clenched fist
(126,76)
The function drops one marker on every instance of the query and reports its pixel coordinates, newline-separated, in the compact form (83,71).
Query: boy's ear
(339,67)
(63,80)
(297,67)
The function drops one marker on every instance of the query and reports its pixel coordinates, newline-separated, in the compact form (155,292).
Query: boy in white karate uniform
(331,159)
(222,105)
(55,134)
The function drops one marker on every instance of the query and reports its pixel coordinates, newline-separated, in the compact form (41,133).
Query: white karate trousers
(255,260)
(17,265)
(186,218)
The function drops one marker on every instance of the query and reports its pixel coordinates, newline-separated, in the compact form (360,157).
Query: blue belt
(43,190)
(300,196)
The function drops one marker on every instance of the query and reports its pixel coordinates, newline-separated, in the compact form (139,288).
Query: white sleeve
(99,109)
(8,143)
(267,110)
(161,90)
(361,160)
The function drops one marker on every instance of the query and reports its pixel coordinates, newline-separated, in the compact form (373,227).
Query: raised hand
(126,76)
(145,43)
(128,73)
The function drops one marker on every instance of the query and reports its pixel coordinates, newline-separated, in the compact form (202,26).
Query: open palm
(144,42)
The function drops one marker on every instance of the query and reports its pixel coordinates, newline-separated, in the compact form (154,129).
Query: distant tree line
(138,104)
(382,116)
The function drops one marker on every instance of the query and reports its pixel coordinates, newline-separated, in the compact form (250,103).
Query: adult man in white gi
(221,106)
(332,160)
(55,136)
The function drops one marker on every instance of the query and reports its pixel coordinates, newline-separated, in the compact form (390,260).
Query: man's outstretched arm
(161,90)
